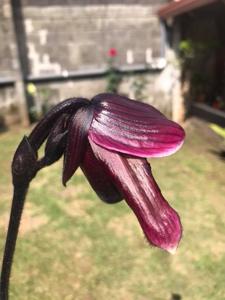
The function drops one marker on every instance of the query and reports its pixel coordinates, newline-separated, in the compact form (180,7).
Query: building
(57,49)
(196,36)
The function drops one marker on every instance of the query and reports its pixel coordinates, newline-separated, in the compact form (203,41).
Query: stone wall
(65,36)
(156,89)
(6,40)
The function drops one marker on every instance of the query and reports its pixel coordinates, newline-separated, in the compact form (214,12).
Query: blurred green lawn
(73,246)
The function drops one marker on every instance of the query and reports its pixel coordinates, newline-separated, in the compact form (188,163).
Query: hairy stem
(19,195)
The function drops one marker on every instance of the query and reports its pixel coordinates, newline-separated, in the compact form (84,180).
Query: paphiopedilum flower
(110,138)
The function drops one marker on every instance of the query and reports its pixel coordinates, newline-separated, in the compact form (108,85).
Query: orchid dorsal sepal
(133,128)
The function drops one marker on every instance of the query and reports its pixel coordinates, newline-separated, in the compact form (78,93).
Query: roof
(178,7)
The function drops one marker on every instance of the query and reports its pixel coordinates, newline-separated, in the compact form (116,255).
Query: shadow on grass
(176,297)
(219,153)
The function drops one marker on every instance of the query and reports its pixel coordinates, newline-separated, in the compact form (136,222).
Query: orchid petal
(76,141)
(41,131)
(160,222)
(132,127)
(98,178)
(56,141)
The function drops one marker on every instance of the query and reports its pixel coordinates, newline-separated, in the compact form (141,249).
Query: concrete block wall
(7,64)
(68,35)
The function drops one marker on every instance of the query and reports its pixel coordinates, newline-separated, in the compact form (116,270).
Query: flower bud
(24,164)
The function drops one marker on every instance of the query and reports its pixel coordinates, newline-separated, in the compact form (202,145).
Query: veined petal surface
(132,127)
(76,141)
(133,177)
(98,178)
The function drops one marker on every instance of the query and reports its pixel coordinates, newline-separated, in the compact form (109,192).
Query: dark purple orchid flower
(110,138)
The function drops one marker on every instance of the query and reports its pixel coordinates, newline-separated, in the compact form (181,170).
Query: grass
(73,246)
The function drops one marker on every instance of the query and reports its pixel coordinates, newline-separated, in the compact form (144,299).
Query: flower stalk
(18,200)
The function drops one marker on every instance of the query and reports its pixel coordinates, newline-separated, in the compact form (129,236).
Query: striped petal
(98,178)
(76,141)
(132,127)
(160,223)
(42,129)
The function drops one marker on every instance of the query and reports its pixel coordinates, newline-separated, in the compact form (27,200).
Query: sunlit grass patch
(77,247)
